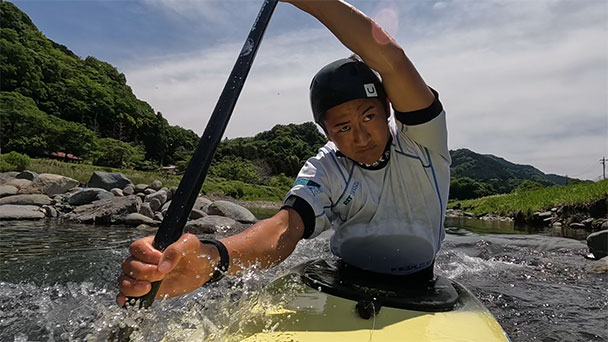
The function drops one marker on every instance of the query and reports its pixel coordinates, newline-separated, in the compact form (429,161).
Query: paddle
(183,200)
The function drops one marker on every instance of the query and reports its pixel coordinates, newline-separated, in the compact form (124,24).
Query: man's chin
(367,161)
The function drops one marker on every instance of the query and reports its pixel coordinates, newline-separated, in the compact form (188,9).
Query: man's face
(359,129)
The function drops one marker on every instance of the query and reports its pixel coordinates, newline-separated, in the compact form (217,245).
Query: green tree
(26,129)
(466,188)
(283,149)
(528,185)
(236,169)
(13,161)
(115,153)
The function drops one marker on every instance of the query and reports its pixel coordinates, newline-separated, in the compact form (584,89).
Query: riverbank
(213,186)
(112,199)
(577,209)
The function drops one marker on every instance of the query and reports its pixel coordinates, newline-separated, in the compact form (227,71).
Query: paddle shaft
(183,200)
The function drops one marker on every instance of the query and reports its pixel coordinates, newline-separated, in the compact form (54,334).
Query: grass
(213,185)
(503,205)
(535,200)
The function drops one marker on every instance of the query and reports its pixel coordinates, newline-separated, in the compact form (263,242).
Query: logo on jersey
(314,187)
(370,90)
(351,194)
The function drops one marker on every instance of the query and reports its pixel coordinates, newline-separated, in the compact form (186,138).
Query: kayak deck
(289,310)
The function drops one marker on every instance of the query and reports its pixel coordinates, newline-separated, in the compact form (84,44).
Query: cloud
(185,88)
(525,80)
(212,12)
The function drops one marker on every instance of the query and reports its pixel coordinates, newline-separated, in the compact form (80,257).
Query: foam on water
(460,265)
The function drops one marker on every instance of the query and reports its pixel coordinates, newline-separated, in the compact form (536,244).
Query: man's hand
(183,267)
(187,264)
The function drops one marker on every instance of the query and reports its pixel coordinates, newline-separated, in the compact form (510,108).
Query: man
(381,181)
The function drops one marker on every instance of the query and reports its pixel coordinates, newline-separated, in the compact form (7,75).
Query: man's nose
(361,136)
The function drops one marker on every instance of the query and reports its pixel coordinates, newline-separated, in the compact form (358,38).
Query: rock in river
(7,190)
(105,211)
(600,266)
(140,188)
(108,180)
(20,212)
(128,190)
(6,176)
(117,192)
(86,196)
(210,224)
(19,183)
(50,184)
(196,214)
(156,185)
(34,199)
(146,210)
(229,209)
(598,243)
(29,175)
(155,204)
(160,195)
(201,203)
(135,219)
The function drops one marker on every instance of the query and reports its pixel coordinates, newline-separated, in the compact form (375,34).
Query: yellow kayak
(309,304)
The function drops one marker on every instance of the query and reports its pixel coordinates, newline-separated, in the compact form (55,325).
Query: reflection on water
(57,283)
(488,227)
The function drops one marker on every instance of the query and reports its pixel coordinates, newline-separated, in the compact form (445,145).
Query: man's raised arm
(377,48)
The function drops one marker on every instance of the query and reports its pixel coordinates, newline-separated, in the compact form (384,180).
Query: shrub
(527,185)
(114,153)
(235,168)
(281,181)
(13,161)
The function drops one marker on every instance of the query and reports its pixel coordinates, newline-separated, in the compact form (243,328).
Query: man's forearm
(356,31)
(266,243)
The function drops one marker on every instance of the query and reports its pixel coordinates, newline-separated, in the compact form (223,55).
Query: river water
(58,283)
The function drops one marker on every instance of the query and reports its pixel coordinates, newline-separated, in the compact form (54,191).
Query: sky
(526,80)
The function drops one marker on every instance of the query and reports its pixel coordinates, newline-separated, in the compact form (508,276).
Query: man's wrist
(219,260)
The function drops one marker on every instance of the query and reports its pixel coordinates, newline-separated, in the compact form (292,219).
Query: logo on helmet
(370,90)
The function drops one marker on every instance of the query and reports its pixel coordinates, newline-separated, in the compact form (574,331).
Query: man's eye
(368,117)
(345,129)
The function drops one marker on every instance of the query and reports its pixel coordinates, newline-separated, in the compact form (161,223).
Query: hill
(476,175)
(490,168)
(55,92)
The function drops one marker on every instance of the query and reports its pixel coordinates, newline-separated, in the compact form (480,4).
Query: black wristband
(222,268)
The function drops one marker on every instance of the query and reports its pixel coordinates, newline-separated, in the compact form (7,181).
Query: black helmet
(341,81)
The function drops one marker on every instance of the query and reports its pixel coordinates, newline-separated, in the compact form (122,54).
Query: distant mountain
(496,174)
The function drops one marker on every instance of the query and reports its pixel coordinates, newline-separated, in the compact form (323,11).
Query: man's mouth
(366,149)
